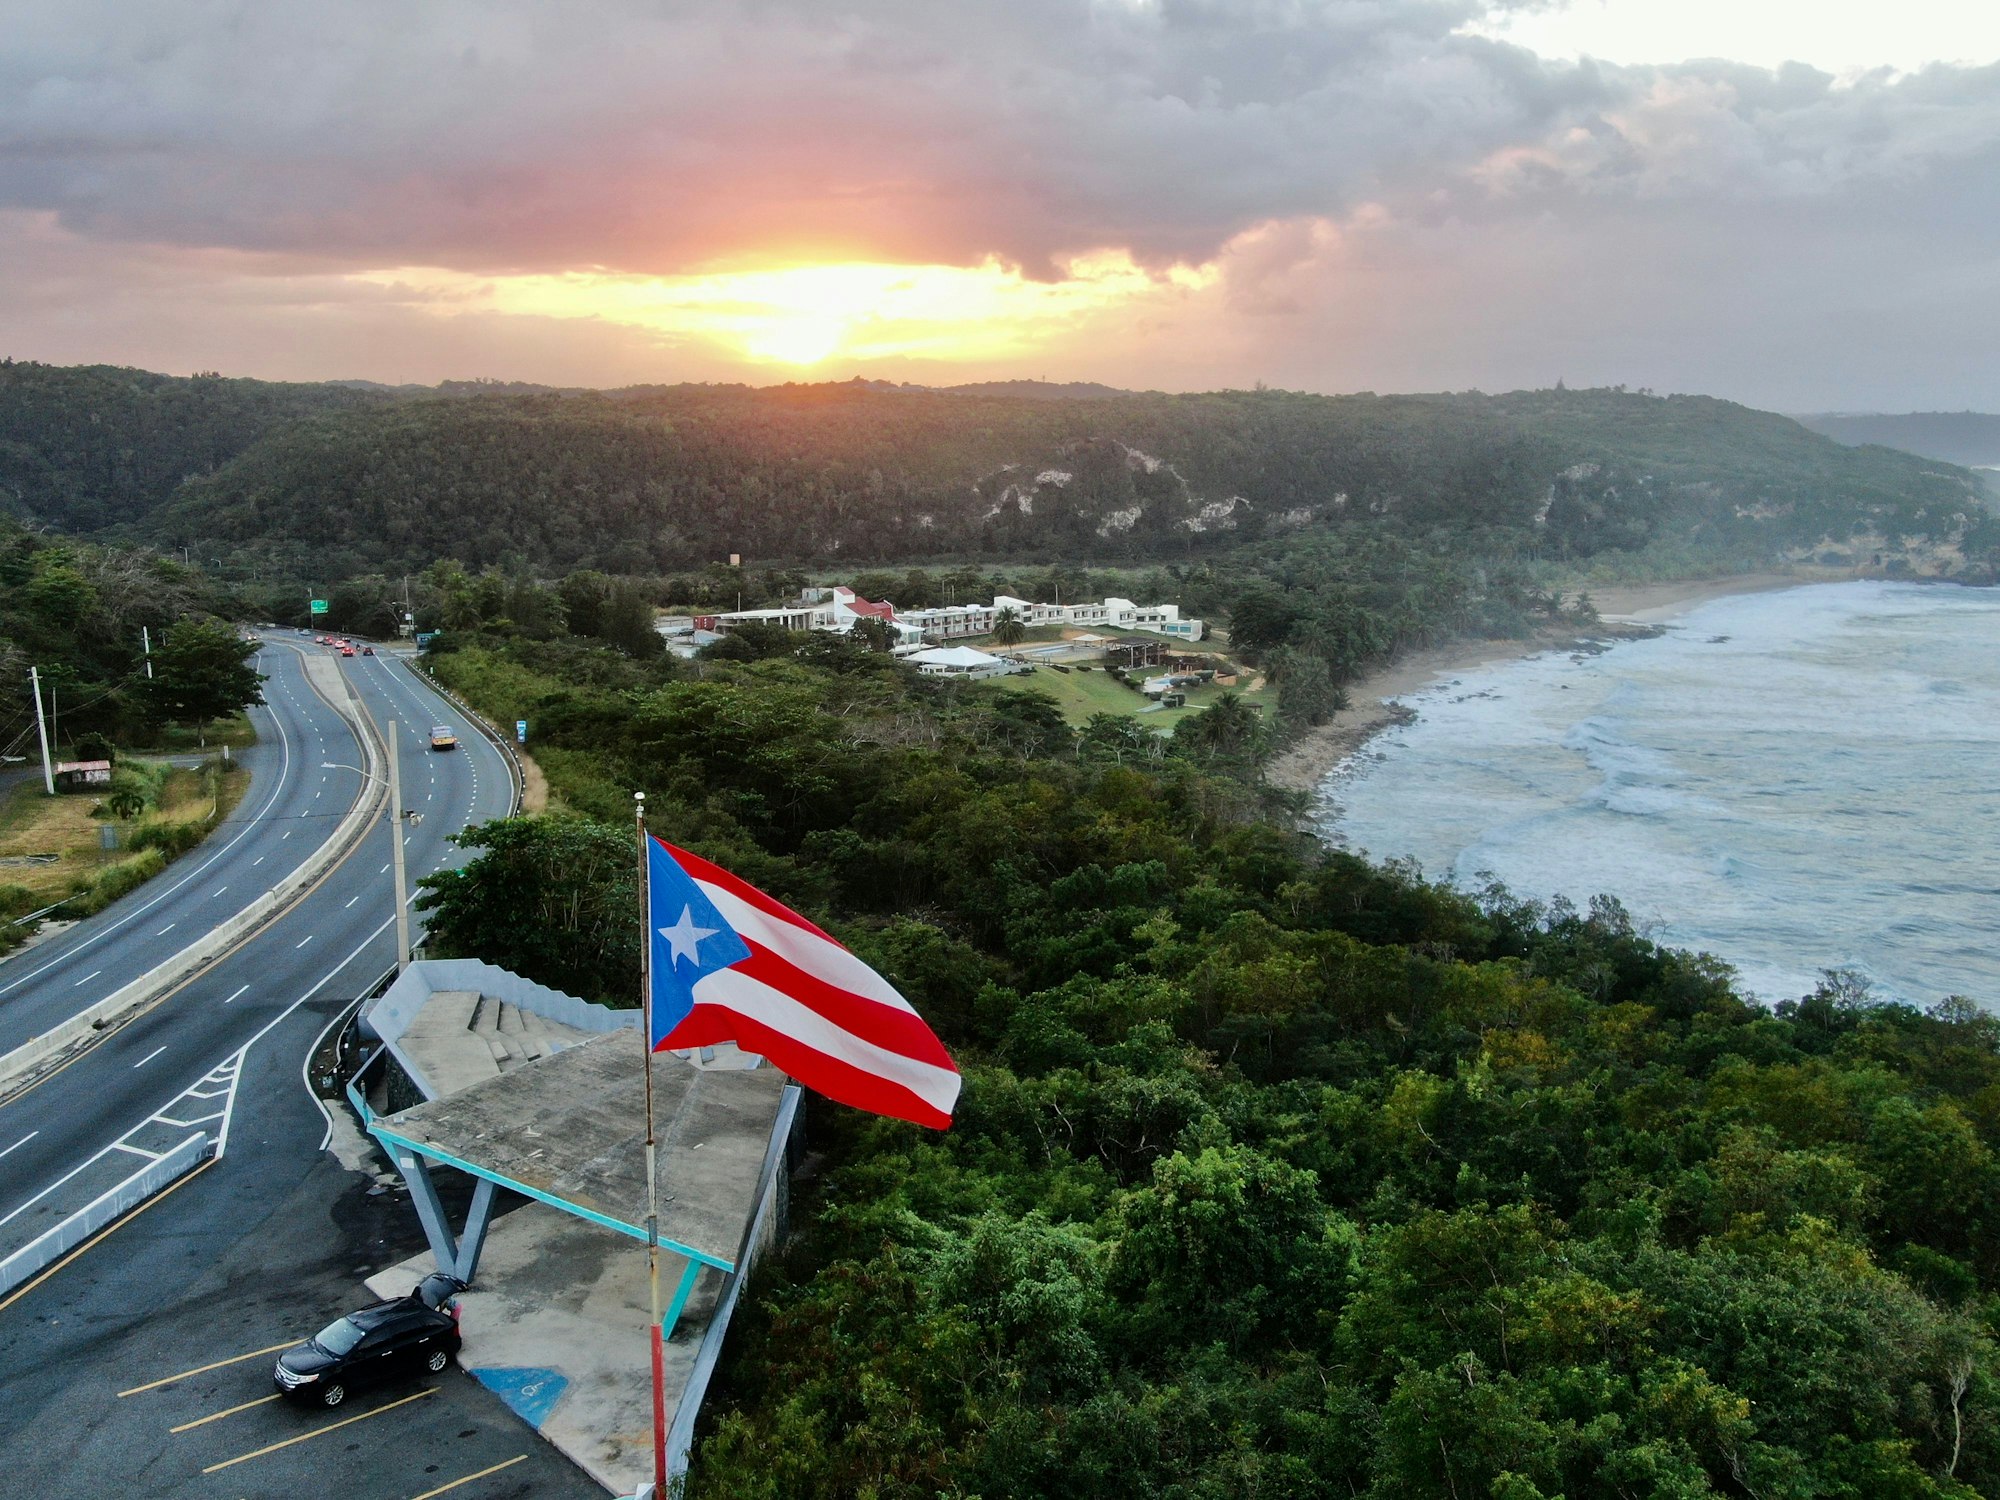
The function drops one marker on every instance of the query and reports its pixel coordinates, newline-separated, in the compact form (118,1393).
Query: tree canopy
(1275,1173)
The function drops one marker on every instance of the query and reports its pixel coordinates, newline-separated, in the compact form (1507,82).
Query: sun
(806,315)
(804,340)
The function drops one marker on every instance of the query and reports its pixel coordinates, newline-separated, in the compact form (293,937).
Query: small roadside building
(82,775)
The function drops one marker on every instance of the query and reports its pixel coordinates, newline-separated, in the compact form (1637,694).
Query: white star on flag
(684,938)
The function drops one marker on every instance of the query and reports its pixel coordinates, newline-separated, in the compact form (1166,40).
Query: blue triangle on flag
(690,939)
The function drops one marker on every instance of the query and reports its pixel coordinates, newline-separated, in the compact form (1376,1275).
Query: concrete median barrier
(54,1243)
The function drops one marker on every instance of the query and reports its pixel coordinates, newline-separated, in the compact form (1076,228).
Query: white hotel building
(839,609)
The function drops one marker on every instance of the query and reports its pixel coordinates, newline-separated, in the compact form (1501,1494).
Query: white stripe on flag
(828,962)
(937,1087)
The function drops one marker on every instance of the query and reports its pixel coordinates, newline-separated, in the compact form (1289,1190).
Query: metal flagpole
(652,1175)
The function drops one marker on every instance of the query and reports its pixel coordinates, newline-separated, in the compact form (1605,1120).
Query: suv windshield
(339,1336)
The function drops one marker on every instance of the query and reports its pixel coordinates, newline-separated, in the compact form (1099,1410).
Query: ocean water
(1793,781)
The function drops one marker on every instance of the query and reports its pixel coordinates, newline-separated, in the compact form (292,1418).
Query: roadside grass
(235,731)
(51,850)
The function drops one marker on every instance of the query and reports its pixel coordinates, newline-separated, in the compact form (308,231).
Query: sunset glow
(805,315)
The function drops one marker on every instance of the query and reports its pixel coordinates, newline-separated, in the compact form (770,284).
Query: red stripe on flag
(842,1082)
(892,1030)
(701,869)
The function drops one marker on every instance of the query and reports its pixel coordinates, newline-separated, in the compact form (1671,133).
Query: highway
(270,1239)
(291,807)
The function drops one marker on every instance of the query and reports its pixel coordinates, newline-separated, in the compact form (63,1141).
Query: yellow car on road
(442,738)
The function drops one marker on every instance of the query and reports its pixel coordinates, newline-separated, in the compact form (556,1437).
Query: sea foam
(1794,781)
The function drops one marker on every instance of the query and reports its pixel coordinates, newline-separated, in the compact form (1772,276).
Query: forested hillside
(90,446)
(327,482)
(1275,1174)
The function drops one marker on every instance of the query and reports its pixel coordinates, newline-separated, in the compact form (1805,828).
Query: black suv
(417,1332)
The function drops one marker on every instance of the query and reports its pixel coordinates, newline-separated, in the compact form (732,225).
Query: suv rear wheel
(437,1361)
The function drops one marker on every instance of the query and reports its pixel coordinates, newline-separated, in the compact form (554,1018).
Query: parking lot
(115,1382)
(218,1428)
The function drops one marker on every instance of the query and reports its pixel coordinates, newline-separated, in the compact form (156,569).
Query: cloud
(1327,159)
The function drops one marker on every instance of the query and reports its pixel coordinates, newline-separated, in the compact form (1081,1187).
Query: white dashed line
(86,979)
(166,929)
(21,1142)
(149,1057)
(303,941)
(217,892)
(350,901)
(239,992)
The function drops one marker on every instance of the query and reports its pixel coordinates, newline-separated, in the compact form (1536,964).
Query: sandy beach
(1625,609)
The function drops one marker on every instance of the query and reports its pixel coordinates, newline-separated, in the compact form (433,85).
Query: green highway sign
(319,606)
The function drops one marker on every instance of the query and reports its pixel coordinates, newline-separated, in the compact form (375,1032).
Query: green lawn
(1081,694)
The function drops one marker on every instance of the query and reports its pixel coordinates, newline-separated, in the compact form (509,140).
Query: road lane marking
(305,1437)
(226,1412)
(19,1292)
(350,901)
(259,860)
(519,1458)
(383,871)
(234,1359)
(166,929)
(217,892)
(21,1142)
(238,992)
(86,979)
(286,834)
(149,1057)
(303,941)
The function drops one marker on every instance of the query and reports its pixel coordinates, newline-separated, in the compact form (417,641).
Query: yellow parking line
(242,1458)
(159,1197)
(234,1359)
(517,1459)
(218,1416)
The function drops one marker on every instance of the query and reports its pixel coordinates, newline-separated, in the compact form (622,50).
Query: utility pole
(146,645)
(396,838)
(42,728)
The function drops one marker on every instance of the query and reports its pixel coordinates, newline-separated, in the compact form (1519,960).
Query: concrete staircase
(462,1037)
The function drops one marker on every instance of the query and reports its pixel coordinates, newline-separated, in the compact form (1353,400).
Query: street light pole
(396,841)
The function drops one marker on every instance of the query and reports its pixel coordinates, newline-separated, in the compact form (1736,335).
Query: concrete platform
(556,1325)
(570,1130)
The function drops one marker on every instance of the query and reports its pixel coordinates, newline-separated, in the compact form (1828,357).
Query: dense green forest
(319,483)
(1275,1174)
(91,446)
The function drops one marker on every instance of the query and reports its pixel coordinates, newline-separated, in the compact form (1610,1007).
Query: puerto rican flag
(730,964)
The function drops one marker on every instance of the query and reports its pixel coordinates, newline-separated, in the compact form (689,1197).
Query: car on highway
(442,737)
(403,1336)
(367,650)
(346,650)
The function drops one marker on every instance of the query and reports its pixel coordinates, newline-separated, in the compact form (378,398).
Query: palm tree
(1007,627)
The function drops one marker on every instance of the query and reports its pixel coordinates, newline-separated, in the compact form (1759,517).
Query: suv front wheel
(333,1395)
